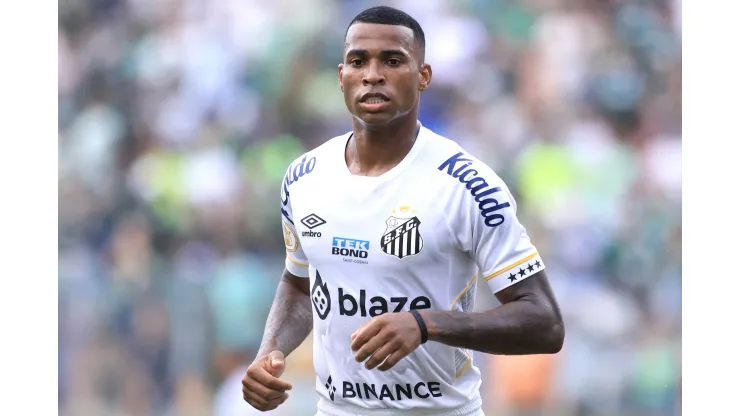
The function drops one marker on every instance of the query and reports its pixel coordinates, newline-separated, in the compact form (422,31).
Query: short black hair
(384,15)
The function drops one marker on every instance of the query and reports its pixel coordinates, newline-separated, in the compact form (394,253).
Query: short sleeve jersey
(416,237)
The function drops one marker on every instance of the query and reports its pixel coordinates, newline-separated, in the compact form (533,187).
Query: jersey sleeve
(488,228)
(295,259)
(504,253)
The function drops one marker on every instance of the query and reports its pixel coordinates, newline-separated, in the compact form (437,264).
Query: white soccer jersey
(415,237)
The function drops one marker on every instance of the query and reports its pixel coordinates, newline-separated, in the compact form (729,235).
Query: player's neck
(374,151)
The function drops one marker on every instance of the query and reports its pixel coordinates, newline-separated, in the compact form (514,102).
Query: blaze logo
(352,303)
(320,297)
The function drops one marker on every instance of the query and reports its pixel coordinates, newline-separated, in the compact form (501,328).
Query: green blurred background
(178,118)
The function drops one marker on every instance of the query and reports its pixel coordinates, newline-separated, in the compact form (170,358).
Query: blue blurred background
(178,118)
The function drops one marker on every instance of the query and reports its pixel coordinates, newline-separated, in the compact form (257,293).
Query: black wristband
(422,325)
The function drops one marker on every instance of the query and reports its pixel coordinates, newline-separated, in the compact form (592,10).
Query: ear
(341,69)
(425,77)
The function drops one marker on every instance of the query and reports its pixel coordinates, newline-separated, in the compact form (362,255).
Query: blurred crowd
(178,118)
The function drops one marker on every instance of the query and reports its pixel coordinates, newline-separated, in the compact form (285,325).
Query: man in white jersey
(387,229)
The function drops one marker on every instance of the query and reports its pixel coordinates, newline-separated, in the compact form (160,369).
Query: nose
(373,75)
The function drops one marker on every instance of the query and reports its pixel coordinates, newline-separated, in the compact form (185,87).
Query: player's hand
(261,386)
(386,339)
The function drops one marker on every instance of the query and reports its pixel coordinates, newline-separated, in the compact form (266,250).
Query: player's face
(381,75)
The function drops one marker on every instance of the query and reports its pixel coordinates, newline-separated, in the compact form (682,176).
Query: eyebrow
(387,52)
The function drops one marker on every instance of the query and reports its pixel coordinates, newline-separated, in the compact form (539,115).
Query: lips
(374,98)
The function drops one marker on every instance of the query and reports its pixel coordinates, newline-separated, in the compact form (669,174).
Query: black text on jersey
(350,305)
(393,392)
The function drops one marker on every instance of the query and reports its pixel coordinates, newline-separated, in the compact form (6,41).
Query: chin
(379,119)
(375,119)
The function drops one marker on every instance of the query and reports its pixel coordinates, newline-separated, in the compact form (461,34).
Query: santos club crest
(402,237)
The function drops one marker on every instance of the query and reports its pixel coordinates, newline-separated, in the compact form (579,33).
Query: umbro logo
(330,388)
(312,221)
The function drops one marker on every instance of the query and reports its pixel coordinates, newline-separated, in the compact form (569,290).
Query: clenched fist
(261,386)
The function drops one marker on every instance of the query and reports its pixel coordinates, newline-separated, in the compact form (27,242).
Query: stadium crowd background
(178,118)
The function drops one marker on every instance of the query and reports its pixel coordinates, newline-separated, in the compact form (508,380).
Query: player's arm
(290,319)
(288,324)
(529,319)
(527,322)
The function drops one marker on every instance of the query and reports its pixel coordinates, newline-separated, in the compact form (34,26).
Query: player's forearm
(526,326)
(289,322)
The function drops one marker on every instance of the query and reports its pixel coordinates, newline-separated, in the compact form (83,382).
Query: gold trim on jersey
(466,290)
(467,364)
(295,262)
(507,268)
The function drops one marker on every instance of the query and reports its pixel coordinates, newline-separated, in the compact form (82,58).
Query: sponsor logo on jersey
(320,297)
(362,303)
(330,388)
(312,221)
(462,169)
(402,237)
(350,305)
(350,249)
(291,240)
(295,172)
(390,392)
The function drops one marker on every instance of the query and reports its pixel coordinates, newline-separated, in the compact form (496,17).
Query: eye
(356,62)
(394,62)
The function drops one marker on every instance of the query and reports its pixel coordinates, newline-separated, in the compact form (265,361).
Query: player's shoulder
(461,167)
(469,182)
(313,162)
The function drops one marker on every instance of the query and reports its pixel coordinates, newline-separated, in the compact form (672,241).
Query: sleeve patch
(291,239)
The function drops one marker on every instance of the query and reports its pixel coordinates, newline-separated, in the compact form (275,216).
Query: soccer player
(387,229)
